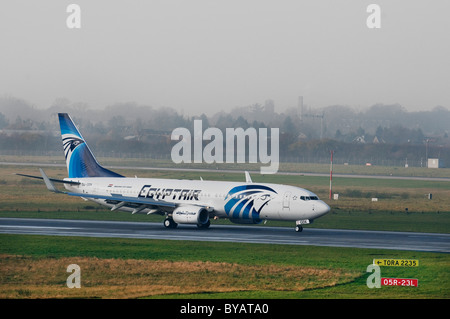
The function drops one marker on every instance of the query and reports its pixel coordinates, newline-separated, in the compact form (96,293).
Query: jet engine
(191,215)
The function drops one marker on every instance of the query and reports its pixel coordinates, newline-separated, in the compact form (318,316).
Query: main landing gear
(169,223)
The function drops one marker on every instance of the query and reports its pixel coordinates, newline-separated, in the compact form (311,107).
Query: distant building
(378,140)
(359,140)
(435,163)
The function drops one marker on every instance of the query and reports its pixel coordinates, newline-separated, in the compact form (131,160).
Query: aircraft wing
(136,203)
(119,201)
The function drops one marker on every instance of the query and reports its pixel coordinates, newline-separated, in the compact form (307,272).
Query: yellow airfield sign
(396,262)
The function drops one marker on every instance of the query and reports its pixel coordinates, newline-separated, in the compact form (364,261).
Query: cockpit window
(309,198)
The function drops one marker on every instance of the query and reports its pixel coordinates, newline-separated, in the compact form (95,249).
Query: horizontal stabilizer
(51,179)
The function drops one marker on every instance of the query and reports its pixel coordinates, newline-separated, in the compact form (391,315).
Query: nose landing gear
(299,223)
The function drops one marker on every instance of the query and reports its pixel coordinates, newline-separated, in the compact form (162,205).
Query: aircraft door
(286,199)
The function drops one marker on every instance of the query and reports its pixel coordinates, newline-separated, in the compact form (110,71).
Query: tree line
(380,134)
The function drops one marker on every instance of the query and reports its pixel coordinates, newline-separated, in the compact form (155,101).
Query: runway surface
(429,242)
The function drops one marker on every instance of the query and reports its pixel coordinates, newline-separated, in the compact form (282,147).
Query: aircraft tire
(298,229)
(169,223)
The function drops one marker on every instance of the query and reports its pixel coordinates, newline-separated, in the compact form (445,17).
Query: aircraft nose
(321,208)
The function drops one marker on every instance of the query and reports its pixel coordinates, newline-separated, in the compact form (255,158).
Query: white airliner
(180,201)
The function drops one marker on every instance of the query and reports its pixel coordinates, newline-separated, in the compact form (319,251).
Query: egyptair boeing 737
(180,201)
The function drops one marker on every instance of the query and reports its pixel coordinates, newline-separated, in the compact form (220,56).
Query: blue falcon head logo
(247,201)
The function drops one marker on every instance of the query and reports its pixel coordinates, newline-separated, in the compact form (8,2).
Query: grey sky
(207,56)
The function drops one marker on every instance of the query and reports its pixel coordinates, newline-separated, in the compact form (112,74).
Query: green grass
(432,272)
(386,221)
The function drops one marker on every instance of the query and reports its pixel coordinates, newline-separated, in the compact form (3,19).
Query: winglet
(49,183)
(248,179)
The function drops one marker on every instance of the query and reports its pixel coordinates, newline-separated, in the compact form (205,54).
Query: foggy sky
(206,56)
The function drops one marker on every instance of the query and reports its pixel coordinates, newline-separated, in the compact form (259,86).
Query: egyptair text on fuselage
(148,191)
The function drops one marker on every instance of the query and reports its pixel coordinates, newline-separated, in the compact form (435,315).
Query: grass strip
(152,268)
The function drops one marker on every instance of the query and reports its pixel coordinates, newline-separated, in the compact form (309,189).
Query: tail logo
(70,143)
(247,201)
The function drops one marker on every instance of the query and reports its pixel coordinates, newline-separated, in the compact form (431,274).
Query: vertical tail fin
(79,159)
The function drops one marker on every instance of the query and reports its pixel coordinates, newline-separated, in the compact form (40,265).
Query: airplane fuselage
(180,201)
(243,202)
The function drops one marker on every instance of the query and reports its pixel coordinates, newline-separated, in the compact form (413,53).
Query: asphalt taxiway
(429,242)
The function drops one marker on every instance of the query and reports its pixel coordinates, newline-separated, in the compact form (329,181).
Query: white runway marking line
(36,227)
